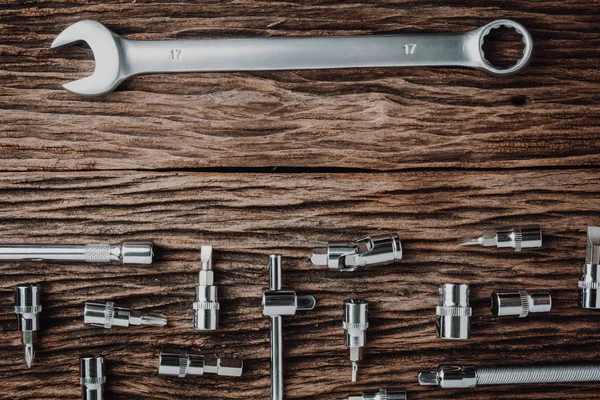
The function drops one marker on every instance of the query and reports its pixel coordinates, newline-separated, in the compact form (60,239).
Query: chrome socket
(520,303)
(454,312)
(92,378)
(182,365)
(382,394)
(590,281)
(355,326)
(108,314)
(206,307)
(28,306)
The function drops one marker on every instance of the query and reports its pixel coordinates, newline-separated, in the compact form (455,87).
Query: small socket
(92,377)
(355,326)
(454,312)
(520,303)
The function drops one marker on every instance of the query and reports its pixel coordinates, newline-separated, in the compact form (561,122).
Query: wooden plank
(380,119)
(248,216)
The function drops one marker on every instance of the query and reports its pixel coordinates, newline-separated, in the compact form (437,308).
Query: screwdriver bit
(590,281)
(355,326)
(108,315)
(206,306)
(382,394)
(27,307)
(184,364)
(517,238)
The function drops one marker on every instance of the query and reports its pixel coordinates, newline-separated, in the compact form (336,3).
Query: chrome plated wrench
(118,59)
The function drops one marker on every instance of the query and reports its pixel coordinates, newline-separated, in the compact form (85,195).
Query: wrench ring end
(522,63)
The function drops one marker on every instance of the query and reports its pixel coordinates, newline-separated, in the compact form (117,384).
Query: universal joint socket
(355,326)
(182,365)
(206,306)
(125,253)
(370,251)
(277,303)
(590,281)
(454,312)
(27,307)
(108,314)
(382,394)
(517,238)
(520,303)
(92,378)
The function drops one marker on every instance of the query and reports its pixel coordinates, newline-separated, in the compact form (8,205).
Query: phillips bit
(369,251)
(182,365)
(355,327)
(206,306)
(108,315)
(517,238)
(27,307)
(382,394)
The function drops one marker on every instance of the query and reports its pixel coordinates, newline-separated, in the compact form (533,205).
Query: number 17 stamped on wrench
(118,58)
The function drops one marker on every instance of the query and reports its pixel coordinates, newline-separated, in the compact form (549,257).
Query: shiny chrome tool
(182,365)
(126,252)
(517,238)
(349,256)
(28,306)
(520,303)
(118,59)
(92,378)
(277,303)
(590,281)
(454,312)
(206,306)
(451,376)
(382,394)
(355,326)
(108,314)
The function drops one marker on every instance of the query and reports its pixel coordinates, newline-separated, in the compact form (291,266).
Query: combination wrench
(118,58)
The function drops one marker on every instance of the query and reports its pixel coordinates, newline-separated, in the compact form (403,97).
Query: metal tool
(517,238)
(28,306)
(355,326)
(382,394)
(206,306)
(369,251)
(182,365)
(454,312)
(126,252)
(108,315)
(450,376)
(92,378)
(590,281)
(520,303)
(118,59)
(277,303)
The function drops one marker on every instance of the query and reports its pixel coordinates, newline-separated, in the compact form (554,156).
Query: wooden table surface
(280,162)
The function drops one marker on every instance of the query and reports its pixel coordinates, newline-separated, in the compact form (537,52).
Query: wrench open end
(527,51)
(105,45)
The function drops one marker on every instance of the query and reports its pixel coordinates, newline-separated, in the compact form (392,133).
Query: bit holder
(355,326)
(109,314)
(206,307)
(370,251)
(382,394)
(92,377)
(277,303)
(28,307)
(517,238)
(182,365)
(590,281)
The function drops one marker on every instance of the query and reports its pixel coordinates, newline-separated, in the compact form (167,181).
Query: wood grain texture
(378,119)
(248,216)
